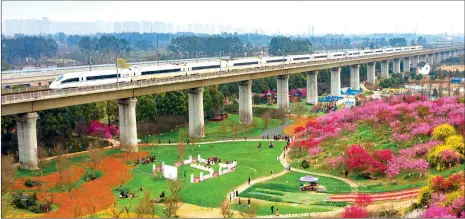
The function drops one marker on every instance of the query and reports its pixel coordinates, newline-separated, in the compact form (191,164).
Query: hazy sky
(288,17)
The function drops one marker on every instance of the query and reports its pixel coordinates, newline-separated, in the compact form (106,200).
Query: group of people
(240,203)
(126,194)
(233,194)
(272,210)
(276,137)
(145,160)
(211,160)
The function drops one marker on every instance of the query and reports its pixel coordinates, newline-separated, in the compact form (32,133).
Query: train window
(317,57)
(301,58)
(245,63)
(160,71)
(100,77)
(276,60)
(205,67)
(70,80)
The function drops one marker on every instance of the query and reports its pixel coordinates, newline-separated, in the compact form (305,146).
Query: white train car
(300,58)
(412,47)
(378,51)
(276,60)
(244,63)
(398,49)
(320,56)
(406,48)
(337,55)
(388,50)
(206,67)
(163,71)
(367,52)
(419,47)
(354,53)
(82,79)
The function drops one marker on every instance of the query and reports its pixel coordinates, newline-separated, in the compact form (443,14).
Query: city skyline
(197,18)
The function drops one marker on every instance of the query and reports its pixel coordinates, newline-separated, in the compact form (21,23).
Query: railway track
(24,90)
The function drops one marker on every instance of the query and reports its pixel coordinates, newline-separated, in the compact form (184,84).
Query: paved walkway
(276,130)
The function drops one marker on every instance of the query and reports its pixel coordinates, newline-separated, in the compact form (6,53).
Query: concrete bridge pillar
(26,126)
(245,102)
(396,66)
(312,87)
(371,78)
(355,77)
(196,118)
(437,58)
(415,60)
(336,81)
(283,92)
(431,59)
(406,63)
(385,69)
(128,124)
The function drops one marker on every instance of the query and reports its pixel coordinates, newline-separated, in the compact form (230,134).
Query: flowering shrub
(338,162)
(100,130)
(437,211)
(456,142)
(443,131)
(358,159)
(442,157)
(314,151)
(354,212)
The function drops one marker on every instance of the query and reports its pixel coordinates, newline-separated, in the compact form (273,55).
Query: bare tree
(95,155)
(173,202)
(226,209)
(145,208)
(181,148)
(41,159)
(266,116)
(46,197)
(8,172)
(183,135)
(234,129)
(77,210)
(298,109)
(281,114)
(223,127)
(114,212)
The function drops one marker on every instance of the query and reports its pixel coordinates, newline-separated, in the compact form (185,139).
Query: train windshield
(59,78)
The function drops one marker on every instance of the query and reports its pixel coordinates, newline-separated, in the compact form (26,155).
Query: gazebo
(308,183)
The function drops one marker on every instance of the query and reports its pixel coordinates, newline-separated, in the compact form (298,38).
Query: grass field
(252,162)
(264,207)
(214,130)
(285,188)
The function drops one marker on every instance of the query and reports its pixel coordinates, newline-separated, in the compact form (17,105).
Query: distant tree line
(17,49)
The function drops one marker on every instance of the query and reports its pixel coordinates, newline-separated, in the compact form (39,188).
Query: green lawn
(252,162)
(285,188)
(213,130)
(264,207)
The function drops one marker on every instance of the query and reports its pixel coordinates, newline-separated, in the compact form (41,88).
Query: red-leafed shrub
(354,212)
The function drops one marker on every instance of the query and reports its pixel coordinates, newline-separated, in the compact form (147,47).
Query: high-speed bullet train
(99,77)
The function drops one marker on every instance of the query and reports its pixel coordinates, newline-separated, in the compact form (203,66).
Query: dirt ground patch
(453,67)
(49,181)
(93,196)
